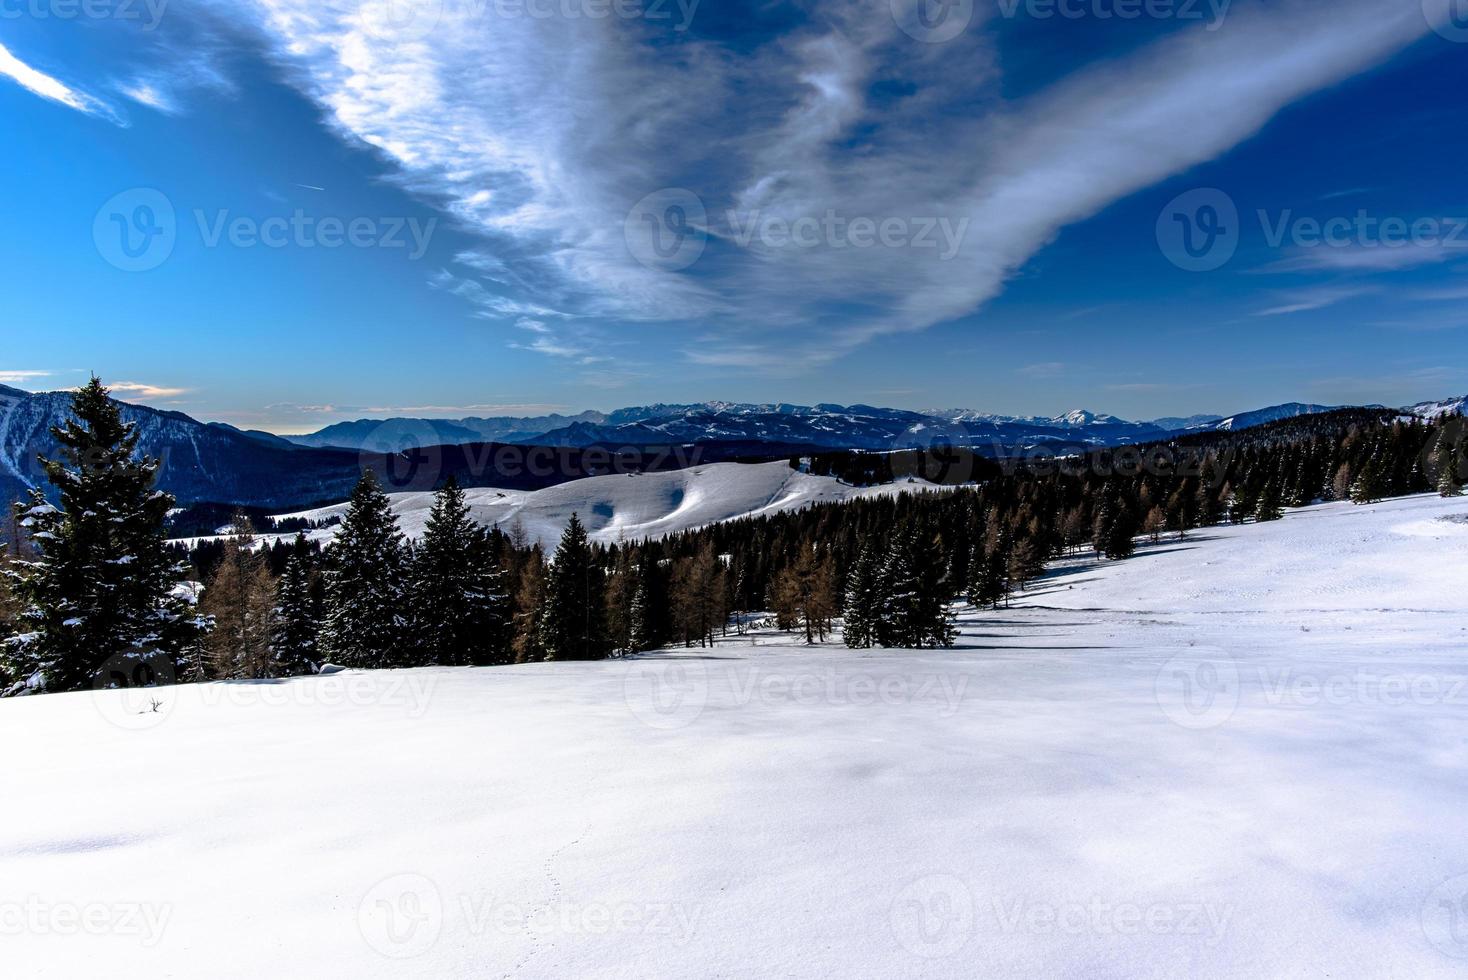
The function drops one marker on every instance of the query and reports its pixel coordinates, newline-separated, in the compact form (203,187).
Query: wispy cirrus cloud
(539,135)
(1305,300)
(22,377)
(138,389)
(47,87)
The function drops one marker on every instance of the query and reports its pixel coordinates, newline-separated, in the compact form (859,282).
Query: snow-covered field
(627,507)
(1243,754)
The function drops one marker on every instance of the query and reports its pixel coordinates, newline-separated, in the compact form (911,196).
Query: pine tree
(1120,537)
(643,636)
(456,593)
(97,595)
(365,625)
(572,625)
(1451,463)
(1267,507)
(296,615)
(864,601)
(988,570)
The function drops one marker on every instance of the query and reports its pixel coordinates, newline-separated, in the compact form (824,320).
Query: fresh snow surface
(631,507)
(1244,754)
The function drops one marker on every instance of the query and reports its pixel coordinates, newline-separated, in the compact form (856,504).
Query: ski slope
(1242,754)
(629,507)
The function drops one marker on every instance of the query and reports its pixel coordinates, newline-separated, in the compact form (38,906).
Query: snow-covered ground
(1243,754)
(627,507)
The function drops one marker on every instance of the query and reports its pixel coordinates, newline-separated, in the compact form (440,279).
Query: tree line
(97,581)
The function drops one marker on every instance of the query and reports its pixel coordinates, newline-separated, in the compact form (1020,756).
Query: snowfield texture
(632,507)
(1242,754)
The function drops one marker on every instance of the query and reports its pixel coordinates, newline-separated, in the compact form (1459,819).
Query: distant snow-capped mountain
(824,425)
(1431,410)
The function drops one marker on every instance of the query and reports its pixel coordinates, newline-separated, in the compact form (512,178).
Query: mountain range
(825,426)
(218,463)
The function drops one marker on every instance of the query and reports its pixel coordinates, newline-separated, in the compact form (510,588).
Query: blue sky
(282,215)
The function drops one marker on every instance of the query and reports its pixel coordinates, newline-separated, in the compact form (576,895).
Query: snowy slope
(627,508)
(1239,755)
(1431,410)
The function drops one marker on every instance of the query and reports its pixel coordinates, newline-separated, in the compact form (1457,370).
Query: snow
(625,507)
(1242,754)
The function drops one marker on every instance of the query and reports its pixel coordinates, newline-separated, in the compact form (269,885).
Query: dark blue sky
(286,220)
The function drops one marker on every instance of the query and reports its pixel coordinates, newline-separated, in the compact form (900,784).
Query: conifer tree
(529,599)
(864,600)
(296,615)
(643,636)
(1451,462)
(572,620)
(99,589)
(805,594)
(365,625)
(1267,507)
(456,593)
(1120,536)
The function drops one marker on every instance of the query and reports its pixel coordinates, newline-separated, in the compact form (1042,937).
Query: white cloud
(51,88)
(1369,258)
(1304,300)
(21,377)
(137,389)
(539,134)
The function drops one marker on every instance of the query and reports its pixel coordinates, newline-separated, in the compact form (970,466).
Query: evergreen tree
(643,636)
(98,593)
(296,615)
(1451,461)
(864,600)
(1267,507)
(572,623)
(1120,537)
(365,625)
(456,594)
